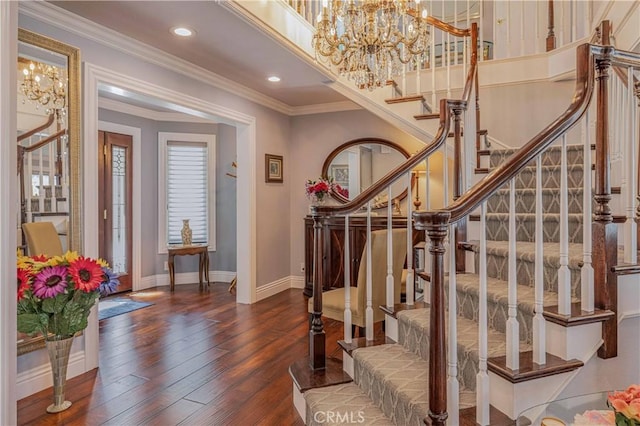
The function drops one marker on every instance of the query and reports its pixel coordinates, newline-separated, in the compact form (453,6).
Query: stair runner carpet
(390,384)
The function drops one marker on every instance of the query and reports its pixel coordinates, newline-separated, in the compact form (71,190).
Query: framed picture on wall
(340,174)
(273,168)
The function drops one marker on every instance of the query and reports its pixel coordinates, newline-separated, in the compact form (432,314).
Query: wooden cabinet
(334,238)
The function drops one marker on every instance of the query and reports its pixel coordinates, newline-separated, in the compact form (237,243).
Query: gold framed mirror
(48,112)
(357,164)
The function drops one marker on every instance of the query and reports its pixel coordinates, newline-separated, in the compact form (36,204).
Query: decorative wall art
(273,168)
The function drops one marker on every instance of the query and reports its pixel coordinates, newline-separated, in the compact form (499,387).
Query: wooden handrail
(37,129)
(44,141)
(401,170)
(503,173)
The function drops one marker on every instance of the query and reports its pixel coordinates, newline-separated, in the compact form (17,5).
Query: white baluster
(482,378)
(539,344)
(390,289)
(453,386)
(418,67)
(42,191)
(586,272)
(427,187)
(369,309)
(432,66)
(455,23)
(481,31)
(447,46)
(513,328)
(347,282)
(410,286)
(28,186)
(564,274)
(52,176)
(631,234)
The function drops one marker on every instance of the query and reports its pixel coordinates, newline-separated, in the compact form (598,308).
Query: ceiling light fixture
(370,40)
(182,31)
(45,85)
(273,79)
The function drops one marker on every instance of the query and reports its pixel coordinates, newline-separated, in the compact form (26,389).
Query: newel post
(317,360)
(436,224)
(605,235)
(551,36)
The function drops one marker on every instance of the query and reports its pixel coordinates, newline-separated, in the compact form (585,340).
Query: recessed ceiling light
(273,79)
(182,31)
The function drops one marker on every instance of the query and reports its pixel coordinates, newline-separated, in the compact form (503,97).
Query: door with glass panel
(115,203)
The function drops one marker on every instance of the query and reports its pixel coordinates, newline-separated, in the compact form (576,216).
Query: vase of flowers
(319,191)
(55,297)
(626,405)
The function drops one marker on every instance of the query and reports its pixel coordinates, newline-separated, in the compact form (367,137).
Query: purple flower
(109,282)
(50,282)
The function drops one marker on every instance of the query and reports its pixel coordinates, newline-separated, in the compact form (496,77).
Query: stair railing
(593,63)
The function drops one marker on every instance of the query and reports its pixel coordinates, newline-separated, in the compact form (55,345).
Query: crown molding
(67,21)
(324,108)
(124,108)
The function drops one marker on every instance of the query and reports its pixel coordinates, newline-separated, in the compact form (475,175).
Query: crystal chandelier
(370,40)
(44,85)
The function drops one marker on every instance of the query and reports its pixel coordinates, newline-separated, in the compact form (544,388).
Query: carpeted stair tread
(397,380)
(551,156)
(418,319)
(498,292)
(526,250)
(347,400)
(413,334)
(525,200)
(498,227)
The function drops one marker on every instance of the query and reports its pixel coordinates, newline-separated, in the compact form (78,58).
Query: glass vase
(58,348)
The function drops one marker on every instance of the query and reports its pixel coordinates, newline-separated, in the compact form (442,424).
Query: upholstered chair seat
(333,300)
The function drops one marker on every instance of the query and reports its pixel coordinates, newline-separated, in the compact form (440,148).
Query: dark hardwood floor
(193,358)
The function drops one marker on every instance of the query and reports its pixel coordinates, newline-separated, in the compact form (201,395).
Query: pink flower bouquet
(626,405)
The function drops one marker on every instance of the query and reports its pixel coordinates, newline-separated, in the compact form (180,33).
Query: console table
(563,411)
(333,271)
(202,250)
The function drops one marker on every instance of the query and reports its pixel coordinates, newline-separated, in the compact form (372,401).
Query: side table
(202,250)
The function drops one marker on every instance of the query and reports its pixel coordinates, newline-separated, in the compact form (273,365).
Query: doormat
(112,307)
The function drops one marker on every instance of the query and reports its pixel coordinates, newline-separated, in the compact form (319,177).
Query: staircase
(390,381)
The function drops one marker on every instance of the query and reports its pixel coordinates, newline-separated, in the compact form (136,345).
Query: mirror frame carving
(74,237)
(327,162)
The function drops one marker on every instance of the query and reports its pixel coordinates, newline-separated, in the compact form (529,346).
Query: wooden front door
(115,171)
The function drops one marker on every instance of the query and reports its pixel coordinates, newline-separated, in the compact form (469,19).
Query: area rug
(112,307)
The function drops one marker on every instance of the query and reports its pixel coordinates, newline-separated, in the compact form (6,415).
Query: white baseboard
(183,278)
(275,287)
(297,281)
(272,288)
(39,378)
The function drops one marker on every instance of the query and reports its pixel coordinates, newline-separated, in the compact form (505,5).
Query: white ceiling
(224,44)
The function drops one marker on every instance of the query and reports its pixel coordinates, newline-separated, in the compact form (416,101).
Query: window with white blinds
(187,172)
(187,190)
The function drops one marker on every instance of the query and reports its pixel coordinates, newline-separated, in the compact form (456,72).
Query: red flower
(40,258)
(24,282)
(86,274)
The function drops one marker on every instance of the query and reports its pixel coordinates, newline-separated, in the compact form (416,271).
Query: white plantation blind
(187,190)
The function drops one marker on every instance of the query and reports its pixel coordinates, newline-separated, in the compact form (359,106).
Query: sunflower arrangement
(55,294)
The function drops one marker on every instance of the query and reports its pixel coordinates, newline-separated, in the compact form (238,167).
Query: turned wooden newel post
(316,333)
(551,36)
(436,225)
(605,235)
(458,182)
